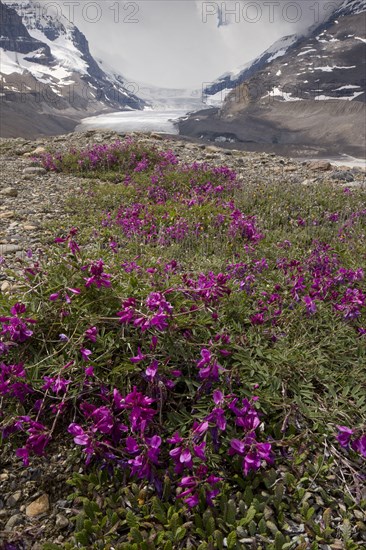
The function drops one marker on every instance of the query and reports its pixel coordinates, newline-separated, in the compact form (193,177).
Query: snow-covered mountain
(218,90)
(350,7)
(306,92)
(326,62)
(46,65)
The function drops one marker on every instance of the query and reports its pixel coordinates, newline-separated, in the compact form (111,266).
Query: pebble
(7,215)
(38,151)
(38,506)
(13,499)
(9,192)
(35,170)
(29,227)
(7,248)
(14,520)
(343,175)
(61,521)
(321,165)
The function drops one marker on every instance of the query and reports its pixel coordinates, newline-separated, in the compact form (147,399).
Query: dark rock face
(15,37)
(56,81)
(307,92)
(328,63)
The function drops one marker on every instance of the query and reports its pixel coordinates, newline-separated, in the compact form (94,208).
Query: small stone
(29,227)
(342,175)
(9,192)
(38,151)
(38,506)
(290,168)
(7,215)
(61,521)
(8,248)
(35,170)
(14,499)
(321,165)
(16,519)
(4,476)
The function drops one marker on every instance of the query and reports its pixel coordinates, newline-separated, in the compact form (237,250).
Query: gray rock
(39,506)
(9,192)
(9,248)
(7,215)
(343,175)
(61,521)
(321,165)
(13,499)
(35,170)
(16,519)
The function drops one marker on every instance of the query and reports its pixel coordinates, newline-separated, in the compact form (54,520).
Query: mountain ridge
(46,67)
(311,96)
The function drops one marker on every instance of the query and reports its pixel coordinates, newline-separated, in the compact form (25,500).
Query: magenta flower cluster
(352,439)
(170,327)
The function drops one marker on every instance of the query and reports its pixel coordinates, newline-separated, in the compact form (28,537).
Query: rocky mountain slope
(307,91)
(49,79)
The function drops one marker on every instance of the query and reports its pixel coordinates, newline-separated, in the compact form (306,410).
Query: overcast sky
(178,43)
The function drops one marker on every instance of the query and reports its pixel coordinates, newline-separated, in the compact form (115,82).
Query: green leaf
(250,515)
(136,535)
(309,514)
(252,528)
(158,510)
(91,508)
(219,539)
(174,522)
(131,520)
(210,525)
(180,533)
(248,495)
(230,515)
(231,540)
(262,527)
(198,521)
(279,541)
(82,537)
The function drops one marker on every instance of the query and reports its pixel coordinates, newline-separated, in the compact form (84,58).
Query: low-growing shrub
(192,337)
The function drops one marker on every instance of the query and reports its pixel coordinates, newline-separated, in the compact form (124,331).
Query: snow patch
(307,51)
(9,63)
(347,87)
(329,69)
(277,54)
(276,92)
(348,98)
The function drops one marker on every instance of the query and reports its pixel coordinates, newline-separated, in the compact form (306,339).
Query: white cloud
(178,43)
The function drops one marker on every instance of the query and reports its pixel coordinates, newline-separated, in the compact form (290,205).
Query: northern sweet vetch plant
(150,330)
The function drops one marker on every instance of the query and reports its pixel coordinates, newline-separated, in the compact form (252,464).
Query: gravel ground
(33,508)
